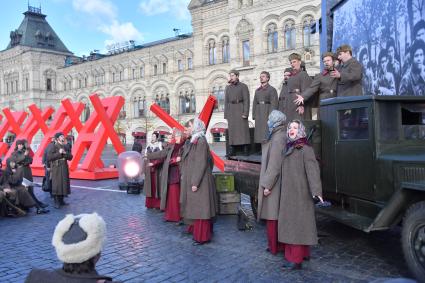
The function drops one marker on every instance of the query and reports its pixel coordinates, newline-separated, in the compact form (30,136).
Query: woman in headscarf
(269,185)
(152,174)
(199,194)
(300,184)
(170,178)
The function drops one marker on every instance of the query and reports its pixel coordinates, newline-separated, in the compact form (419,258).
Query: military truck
(371,150)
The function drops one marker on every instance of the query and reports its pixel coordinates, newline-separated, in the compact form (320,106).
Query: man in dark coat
(284,94)
(298,82)
(323,85)
(22,158)
(236,111)
(59,172)
(78,241)
(349,75)
(265,101)
(47,181)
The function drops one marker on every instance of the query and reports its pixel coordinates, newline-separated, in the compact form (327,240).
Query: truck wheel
(413,239)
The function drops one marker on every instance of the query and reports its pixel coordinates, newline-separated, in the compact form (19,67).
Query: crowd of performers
(16,196)
(179,180)
(178,177)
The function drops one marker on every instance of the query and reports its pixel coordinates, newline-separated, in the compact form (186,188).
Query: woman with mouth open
(300,185)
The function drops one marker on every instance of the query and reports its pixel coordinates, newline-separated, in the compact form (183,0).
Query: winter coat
(265,101)
(59,171)
(197,171)
(236,105)
(350,83)
(300,180)
(271,166)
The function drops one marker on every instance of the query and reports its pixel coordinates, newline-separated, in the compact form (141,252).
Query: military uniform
(265,101)
(350,82)
(296,84)
(236,105)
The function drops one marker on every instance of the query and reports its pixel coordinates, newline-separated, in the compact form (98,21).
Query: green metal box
(224,182)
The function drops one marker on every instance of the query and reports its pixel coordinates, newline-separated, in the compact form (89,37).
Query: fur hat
(21,142)
(78,238)
(58,134)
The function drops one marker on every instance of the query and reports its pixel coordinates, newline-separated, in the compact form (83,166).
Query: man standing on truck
(298,82)
(265,101)
(323,84)
(349,75)
(236,111)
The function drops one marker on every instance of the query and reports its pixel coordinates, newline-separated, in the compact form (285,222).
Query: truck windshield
(353,124)
(413,121)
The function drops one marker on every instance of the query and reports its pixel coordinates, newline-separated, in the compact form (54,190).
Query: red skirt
(296,253)
(202,230)
(172,208)
(153,202)
(273,244)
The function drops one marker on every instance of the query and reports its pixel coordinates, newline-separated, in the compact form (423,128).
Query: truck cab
(371,150)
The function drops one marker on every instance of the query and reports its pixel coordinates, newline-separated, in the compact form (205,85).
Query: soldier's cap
(78,238)
(233,71)
(288,70)
(58,134)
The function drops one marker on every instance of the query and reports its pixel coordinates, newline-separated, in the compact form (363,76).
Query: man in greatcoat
(23,160)
(236,111)
(323,86)
(265,101)
(298,82)
(349,74)
(47,181)
(59,172)
(284,94)
(269,184)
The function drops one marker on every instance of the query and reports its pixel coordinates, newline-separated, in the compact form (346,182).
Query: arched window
(218,92)
(187,100)
(272,38)
(162,98)
(212,52)
(290,35)
(86,112)
(164,68)
(155,70)
(225,49)
(307,23)
(139,106)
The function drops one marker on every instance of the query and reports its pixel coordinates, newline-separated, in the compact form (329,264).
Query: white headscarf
(198,129)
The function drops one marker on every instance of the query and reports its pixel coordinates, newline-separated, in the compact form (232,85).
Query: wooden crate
(224,182)
(228,208)
(229,197)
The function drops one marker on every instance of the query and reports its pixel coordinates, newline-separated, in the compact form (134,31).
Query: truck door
(354,152)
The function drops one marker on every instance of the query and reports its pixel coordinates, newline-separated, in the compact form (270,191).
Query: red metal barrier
(205,116)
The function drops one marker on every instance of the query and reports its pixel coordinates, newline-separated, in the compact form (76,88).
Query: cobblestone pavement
(143,248)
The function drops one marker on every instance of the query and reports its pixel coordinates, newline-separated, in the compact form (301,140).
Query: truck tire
(413,240)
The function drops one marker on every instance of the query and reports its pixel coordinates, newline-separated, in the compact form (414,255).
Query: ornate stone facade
(178,73)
